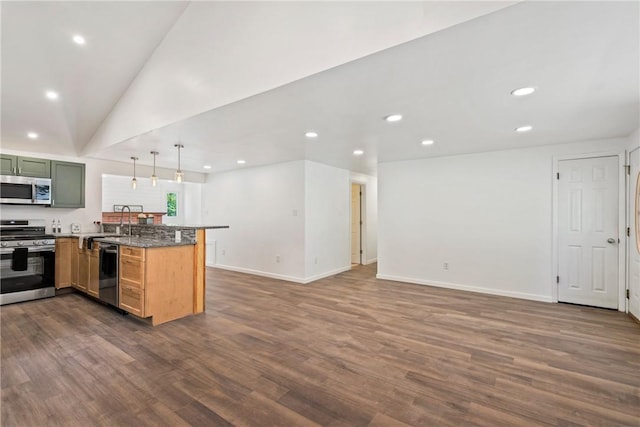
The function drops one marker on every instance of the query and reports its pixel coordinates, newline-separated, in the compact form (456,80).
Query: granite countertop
(193,227)
(143,242)
(190,227)
(86,234)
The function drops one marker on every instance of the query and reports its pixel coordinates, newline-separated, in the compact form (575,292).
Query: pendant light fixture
(154,178)
(134,181)
(179,173)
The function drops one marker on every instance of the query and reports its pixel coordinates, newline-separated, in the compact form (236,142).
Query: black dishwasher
(108,291)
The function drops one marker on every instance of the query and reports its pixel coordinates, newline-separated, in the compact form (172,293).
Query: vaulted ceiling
(246,80)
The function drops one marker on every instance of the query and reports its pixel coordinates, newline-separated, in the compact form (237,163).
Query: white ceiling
(38,55)
(452,86)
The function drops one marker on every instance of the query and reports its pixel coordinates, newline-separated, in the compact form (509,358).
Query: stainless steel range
(27,261)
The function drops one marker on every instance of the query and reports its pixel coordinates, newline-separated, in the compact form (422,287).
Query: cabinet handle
(19,171)
(14,171)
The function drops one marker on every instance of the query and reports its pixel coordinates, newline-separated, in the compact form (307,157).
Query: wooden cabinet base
(132,300)
(93,287)
(199,268)
(66,251)
(157,282)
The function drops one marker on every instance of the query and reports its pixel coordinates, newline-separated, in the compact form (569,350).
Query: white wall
(634,140)
(297,210)
(488,215)
(192,206)
(327,220)
(369,215)
(116,190)
(92,211)
(265,209)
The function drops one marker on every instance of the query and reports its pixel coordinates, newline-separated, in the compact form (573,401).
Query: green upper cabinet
(67,184)
(9,164)
(29,166)
(67,179)
(25,166)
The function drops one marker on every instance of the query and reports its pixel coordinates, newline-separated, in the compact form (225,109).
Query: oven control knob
(4,244)
(37,242)
(20,243)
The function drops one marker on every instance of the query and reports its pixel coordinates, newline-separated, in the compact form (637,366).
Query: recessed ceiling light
(51,94)
(394,118)
(32,135)
(311,134)
(78,39)
(523,91)
(241,162)
(207,166)
(427,142)
(524,128)
(358,152)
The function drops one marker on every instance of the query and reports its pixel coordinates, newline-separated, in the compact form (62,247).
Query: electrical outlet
(445,266)
(315,260)
(277,258)
(224,252)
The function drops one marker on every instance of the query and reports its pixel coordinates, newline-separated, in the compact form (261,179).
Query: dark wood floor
(344,351)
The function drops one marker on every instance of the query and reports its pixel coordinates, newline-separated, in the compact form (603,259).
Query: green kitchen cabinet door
(30,166)
(8,164)
(67,184)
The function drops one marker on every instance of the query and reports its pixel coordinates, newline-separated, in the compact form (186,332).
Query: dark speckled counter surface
(143,242)
(145,235)
(186,227)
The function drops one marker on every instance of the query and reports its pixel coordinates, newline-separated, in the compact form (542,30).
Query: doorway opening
(633,233)
(356,224)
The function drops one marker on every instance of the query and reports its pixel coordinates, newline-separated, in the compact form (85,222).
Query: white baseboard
(468,288)
(294,279)
(371,261)
(327,274)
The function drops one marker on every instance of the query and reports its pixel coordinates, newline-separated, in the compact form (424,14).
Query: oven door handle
(31,249)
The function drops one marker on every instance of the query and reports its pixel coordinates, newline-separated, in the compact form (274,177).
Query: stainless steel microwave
(24,190)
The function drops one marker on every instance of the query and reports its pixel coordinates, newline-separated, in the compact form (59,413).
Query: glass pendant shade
(134,181)
(179,174)
(154,178)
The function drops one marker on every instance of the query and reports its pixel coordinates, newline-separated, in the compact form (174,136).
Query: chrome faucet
(122,214)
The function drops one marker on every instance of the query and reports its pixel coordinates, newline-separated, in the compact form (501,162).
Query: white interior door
(634,233)
(355,225)
(588,231)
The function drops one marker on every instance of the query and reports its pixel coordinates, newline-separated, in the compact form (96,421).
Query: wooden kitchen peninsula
(161,273)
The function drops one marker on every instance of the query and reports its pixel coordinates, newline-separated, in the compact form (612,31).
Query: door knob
(611,240)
